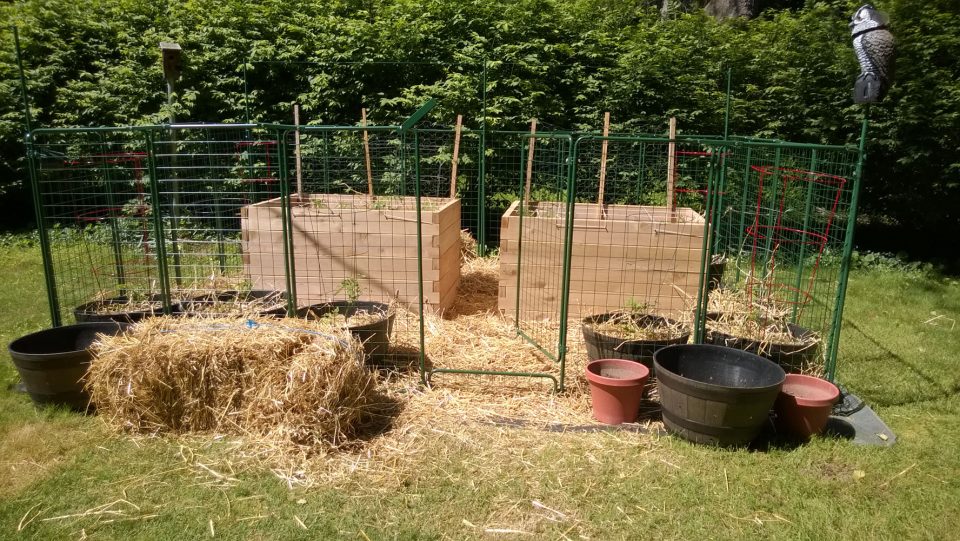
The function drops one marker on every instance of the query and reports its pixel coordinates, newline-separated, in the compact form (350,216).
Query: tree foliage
(96,62)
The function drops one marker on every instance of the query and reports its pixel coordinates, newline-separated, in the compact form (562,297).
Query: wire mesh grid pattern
(701,231)
(783,219)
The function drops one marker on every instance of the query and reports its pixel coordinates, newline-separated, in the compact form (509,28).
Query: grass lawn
(67,476)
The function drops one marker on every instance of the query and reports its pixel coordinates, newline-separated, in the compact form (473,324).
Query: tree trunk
(726,9)
(669,8)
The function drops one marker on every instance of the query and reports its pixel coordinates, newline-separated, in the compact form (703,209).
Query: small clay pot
(616,388)
(804,405)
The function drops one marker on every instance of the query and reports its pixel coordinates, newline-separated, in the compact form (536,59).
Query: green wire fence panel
(782,215)
(94,191)
(354,221)
(740,241)
(207,180)
(632,252)
(533,241)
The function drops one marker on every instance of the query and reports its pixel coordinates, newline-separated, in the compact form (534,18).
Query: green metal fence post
(156,212)
(743,202)
(523,212)
(114,227)
(286,220)
(48,272)
(803,245)
(567,257)
(710,231)
(482,176)
(834,340)
(416,192)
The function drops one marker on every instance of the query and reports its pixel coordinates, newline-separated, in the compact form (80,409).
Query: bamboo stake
(366,153)
(456,157)
(296,149)
(533,142)
(671,169)
(603,162)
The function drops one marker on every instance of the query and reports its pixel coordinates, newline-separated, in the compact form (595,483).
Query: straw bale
(292,383)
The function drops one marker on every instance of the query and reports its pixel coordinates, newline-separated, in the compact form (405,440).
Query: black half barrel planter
(792,357)
(375,335)
(715,395)
(121,309)
(259,302)
(602,345)
(52,363)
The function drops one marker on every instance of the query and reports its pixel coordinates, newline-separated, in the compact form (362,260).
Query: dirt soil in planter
(627,327)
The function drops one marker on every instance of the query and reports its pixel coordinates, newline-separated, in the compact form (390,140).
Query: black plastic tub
(202,305)
(115,309)
(375,335)
(603,346)
(790,357)
(52,363)
(714,394)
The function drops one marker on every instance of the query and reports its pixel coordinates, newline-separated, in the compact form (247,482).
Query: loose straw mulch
(307,409)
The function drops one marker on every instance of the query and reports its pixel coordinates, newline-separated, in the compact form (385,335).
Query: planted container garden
(369,321)
(630,335)
(124,309)
(789,345)
(231,303)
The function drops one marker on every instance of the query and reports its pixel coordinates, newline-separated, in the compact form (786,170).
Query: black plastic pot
(375,336)
(715,395)
(113,309)
(790,357)
(198,306)
(602,346)
(53,362)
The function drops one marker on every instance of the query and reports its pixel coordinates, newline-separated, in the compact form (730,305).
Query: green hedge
(96,62)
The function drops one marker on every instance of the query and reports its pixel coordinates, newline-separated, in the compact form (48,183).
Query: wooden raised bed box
(344,241)
(634,256)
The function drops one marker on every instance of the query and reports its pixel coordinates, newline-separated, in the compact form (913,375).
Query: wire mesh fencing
(736,241)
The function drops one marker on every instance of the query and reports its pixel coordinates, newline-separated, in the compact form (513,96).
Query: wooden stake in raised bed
(533,142)
(671,169)
(456,157)
(296,149)
(603,163)
(366,153)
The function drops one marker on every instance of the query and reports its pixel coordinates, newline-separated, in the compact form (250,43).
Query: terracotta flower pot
(804,405)
(616,387)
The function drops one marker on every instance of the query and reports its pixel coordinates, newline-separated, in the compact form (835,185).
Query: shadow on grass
(936,389)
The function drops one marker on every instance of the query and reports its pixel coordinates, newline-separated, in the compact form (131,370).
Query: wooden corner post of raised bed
(455,161)
(672,169)
(366,153)
(603,162)
(529,179)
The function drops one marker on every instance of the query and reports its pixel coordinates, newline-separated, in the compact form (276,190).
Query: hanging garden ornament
(874,45)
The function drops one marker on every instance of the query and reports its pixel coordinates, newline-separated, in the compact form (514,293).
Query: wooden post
(603,163)
(296,149)
(366,153)
(533,143)
(671,169)
(456,157)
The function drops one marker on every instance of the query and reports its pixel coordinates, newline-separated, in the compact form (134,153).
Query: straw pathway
(294,396)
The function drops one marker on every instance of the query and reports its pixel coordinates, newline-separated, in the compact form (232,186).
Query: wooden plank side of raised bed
(539,304)
(605,251)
